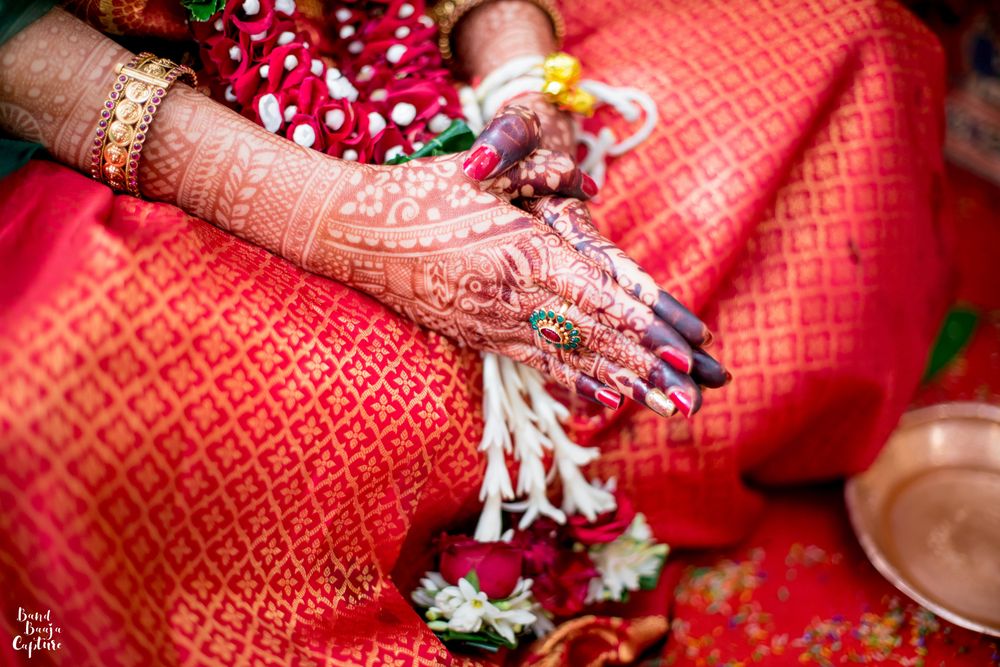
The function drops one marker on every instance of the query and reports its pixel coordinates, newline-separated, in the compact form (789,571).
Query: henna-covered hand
(457,257)
(669,333)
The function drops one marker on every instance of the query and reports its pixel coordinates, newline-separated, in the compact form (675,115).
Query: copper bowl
(927,512)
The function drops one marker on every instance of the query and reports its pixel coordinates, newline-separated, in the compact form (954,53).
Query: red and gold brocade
(211,457)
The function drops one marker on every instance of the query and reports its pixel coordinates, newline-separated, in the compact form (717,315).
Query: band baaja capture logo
(37,632)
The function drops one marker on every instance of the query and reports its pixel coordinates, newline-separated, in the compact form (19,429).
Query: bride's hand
(456,257)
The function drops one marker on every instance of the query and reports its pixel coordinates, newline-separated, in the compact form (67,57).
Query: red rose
(561,576)
(497,564)
(606,527)
(562,587)
(539,545)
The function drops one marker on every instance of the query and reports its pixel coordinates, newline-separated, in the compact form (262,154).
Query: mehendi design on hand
(447,252)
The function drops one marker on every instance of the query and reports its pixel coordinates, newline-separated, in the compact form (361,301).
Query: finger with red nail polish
(679,388)
(481,163)
(511,136)
(541,174)
(609,398)
(572,378)
(683,400)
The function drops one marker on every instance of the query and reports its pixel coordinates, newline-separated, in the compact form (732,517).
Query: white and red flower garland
(491,594)
(364,82)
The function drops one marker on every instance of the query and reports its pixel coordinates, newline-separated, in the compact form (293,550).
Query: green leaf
(473,579)
(649,582)
(203,10)
(957,329)
(482,640)
(458,137)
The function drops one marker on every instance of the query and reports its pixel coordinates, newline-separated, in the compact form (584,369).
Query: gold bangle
(448,13)
(140,87)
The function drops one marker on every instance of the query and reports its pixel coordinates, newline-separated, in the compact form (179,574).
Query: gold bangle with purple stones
(555,329)
(139,88)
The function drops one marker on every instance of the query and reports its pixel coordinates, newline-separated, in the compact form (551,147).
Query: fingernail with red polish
(677,359)
(682,401)
(481,163)
(729,377)
(609,398)
(708,339)
(588,185)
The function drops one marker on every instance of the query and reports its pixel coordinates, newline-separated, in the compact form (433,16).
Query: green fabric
(15,16)
(15,153)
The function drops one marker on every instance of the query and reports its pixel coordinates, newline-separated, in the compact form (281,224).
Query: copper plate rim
(959,410)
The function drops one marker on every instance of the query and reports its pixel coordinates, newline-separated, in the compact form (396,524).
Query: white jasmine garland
(579,496)
(529,443)
(494,444)
(520,416)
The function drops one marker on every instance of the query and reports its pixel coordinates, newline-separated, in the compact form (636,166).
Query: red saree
(211,457)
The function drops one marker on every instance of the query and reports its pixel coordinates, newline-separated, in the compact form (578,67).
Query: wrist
(497,31)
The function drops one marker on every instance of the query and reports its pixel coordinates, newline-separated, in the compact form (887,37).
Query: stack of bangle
(448,13)
(139,88)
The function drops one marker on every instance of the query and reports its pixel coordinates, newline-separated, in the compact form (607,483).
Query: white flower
(429,587)
(339,87)
(395,53)
(625,562)
(515,613)
(439,123)
(509,622)
(304,135)
(466,606)
(270,112)
(462,608)
(403,113)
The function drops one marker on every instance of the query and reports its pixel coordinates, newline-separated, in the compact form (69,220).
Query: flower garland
(489,595)
(364,81)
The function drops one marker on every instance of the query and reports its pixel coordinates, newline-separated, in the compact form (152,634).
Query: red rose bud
(539,545)
(497,564)
(562,588)
(606,527)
